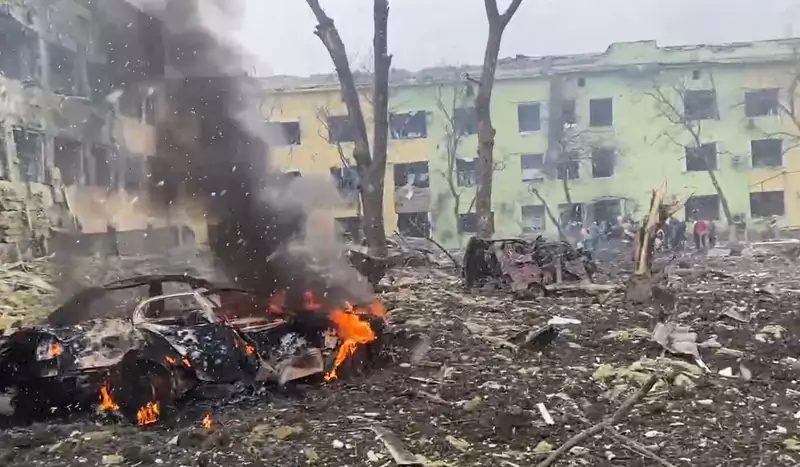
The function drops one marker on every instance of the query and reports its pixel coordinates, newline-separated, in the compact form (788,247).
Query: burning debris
(520,265)
(173,346)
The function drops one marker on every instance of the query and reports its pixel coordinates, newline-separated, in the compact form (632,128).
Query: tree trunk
(486,133)
(726,209)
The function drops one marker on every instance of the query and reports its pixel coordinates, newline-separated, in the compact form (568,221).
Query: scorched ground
(472,398)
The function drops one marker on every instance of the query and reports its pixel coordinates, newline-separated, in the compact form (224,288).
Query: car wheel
(145,390)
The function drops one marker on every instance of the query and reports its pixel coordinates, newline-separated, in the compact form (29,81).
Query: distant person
(679,235)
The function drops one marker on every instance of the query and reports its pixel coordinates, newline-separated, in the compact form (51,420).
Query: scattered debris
(396,448)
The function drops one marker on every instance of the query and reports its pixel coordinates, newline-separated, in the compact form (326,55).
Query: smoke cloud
(213,150)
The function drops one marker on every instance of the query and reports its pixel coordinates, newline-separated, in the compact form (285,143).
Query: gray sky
(426,33)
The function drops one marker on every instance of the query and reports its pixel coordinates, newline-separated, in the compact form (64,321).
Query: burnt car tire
(144,386)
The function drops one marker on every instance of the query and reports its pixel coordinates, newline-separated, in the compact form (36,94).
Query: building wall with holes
(618,117)
(72,154)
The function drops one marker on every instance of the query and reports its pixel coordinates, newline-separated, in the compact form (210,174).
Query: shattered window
(601,112)
(104,167)
(602,163)
(284,133)
(130,104)
(412,173)
(702,207)
(569,115)
(533,218)
(468,223)
(67,156)
(340,130)
(346,179)
(410,125)
(466,172)
(150,109)
(30,153)
(568,167)
(528,117)
(414,224)
(62,70)
(607,210)
(700,105)
(20,55)
(702,158)
(767,152)
(767,204)
(532,167)
(466,120)
(571,212)
(761,102)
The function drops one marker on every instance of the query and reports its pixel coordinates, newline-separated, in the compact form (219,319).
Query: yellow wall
(315,155)
(787,177)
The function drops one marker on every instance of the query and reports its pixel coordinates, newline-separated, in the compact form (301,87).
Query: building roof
(633,56)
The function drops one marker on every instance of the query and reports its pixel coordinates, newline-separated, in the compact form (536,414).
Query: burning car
(173,346)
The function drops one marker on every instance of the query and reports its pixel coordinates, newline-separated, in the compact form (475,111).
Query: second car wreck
(173,346)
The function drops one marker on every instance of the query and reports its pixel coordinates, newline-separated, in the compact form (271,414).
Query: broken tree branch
(638,447)
(621,413)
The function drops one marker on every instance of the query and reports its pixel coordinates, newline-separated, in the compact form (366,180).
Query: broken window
(532,167)
(468,223)
(767,152)
(349,228)
(601,112)
(766,204)
(533,219)
(607,210)
(761,102)
(703,207)
(135,173)
(568,167)
(466,172)
(700,105)
(340,130)
(410,125)
(414,224)
(284,133)
(68,155)
(528,117)
(19,59)
(3,159)
(104,167)
(702,158)
(602,163)
(412,173)
(465,120)
(569,115)
(62,70)
(346,179)
(30,153)
(570,212)
(130,104)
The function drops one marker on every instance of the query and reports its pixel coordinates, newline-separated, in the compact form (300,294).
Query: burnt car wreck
(521,265)
(175,346)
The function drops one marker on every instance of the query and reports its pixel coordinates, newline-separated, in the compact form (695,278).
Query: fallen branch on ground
(638,447)
(621,412)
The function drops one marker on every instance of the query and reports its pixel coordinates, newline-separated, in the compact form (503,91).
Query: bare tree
(371,164)
(672,105)
(483,102)
(324,131)
(447,105)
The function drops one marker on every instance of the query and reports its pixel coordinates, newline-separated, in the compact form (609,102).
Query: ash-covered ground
(472,399)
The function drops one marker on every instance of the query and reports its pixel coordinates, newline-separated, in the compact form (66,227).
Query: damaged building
(79,98)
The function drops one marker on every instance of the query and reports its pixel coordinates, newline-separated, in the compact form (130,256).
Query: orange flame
(206,423)
(277,302)
(186,362)
(106,402)
(148,414)
(169,359)
(54,349)
(352,331)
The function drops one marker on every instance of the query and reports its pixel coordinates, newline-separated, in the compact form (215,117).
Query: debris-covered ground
(475,397)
